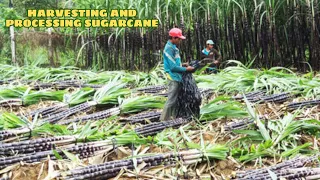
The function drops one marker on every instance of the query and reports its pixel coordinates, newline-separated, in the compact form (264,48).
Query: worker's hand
(216,62)
(190,68)
(185,64)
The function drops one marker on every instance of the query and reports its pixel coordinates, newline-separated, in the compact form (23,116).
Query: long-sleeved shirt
(172,62)
(213,54)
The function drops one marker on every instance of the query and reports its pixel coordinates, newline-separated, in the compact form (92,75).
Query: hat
(210,42)
(176,32)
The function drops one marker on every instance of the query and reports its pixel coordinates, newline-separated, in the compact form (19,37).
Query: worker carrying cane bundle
(174,70)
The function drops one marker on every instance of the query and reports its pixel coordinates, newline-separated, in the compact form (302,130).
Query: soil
(31,171)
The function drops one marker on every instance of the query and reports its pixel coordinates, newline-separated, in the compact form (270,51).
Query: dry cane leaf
(119,175)
(41,170)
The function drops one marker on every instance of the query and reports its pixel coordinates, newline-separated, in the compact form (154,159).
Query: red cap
(176,32)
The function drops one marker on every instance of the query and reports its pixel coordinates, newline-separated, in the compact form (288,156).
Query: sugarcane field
(159,89)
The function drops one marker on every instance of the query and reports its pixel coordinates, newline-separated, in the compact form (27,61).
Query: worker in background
(211,56)
(174,69)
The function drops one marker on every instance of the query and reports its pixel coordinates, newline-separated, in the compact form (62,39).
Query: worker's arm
(202,55)
(169,58)
(218,55)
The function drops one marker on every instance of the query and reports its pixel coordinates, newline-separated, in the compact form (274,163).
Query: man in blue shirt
(210,56)
(174,70)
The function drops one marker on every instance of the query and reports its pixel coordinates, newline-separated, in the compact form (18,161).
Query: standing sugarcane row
(282,169)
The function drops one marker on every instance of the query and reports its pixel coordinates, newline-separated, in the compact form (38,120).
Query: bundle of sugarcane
(154,128)
(277,98)
(36,145)
(152,89)
(189,98)
(108,94)
(297,105)
(278,168)
(243,124)
(47,111)
(162,94)
(42,150)
(63,85)
(130,105)
(84,107)
(206,93)
(10,102)
(144,117)
(6,134)
(254,96)
(83,150)
(94,116)
(290,174)
(112,168)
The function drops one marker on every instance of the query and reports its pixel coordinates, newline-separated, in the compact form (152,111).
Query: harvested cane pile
(189,99)
(112,168)
(144,117)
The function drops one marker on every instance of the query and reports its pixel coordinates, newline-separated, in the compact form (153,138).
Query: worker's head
(175,36)
(209,44)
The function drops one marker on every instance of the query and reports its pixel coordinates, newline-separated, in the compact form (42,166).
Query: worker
(174,70)
(211,56)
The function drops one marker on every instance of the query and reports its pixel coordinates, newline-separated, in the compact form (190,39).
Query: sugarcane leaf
(71,156)
(295,150)
(260,125)
(56,154)
(185,136)
(248,132)
(10,120)
(193,145)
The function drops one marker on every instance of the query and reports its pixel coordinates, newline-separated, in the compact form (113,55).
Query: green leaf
(260,125)
(295,150)
(56,154)
(71,156)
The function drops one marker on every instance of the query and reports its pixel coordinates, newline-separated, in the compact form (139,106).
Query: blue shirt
(172,62)
(204,51)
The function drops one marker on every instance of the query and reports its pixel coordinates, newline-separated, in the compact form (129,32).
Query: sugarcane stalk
(73,110)
(152,128)
(293,163)
(48,110)
(95,116)
(10,102)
